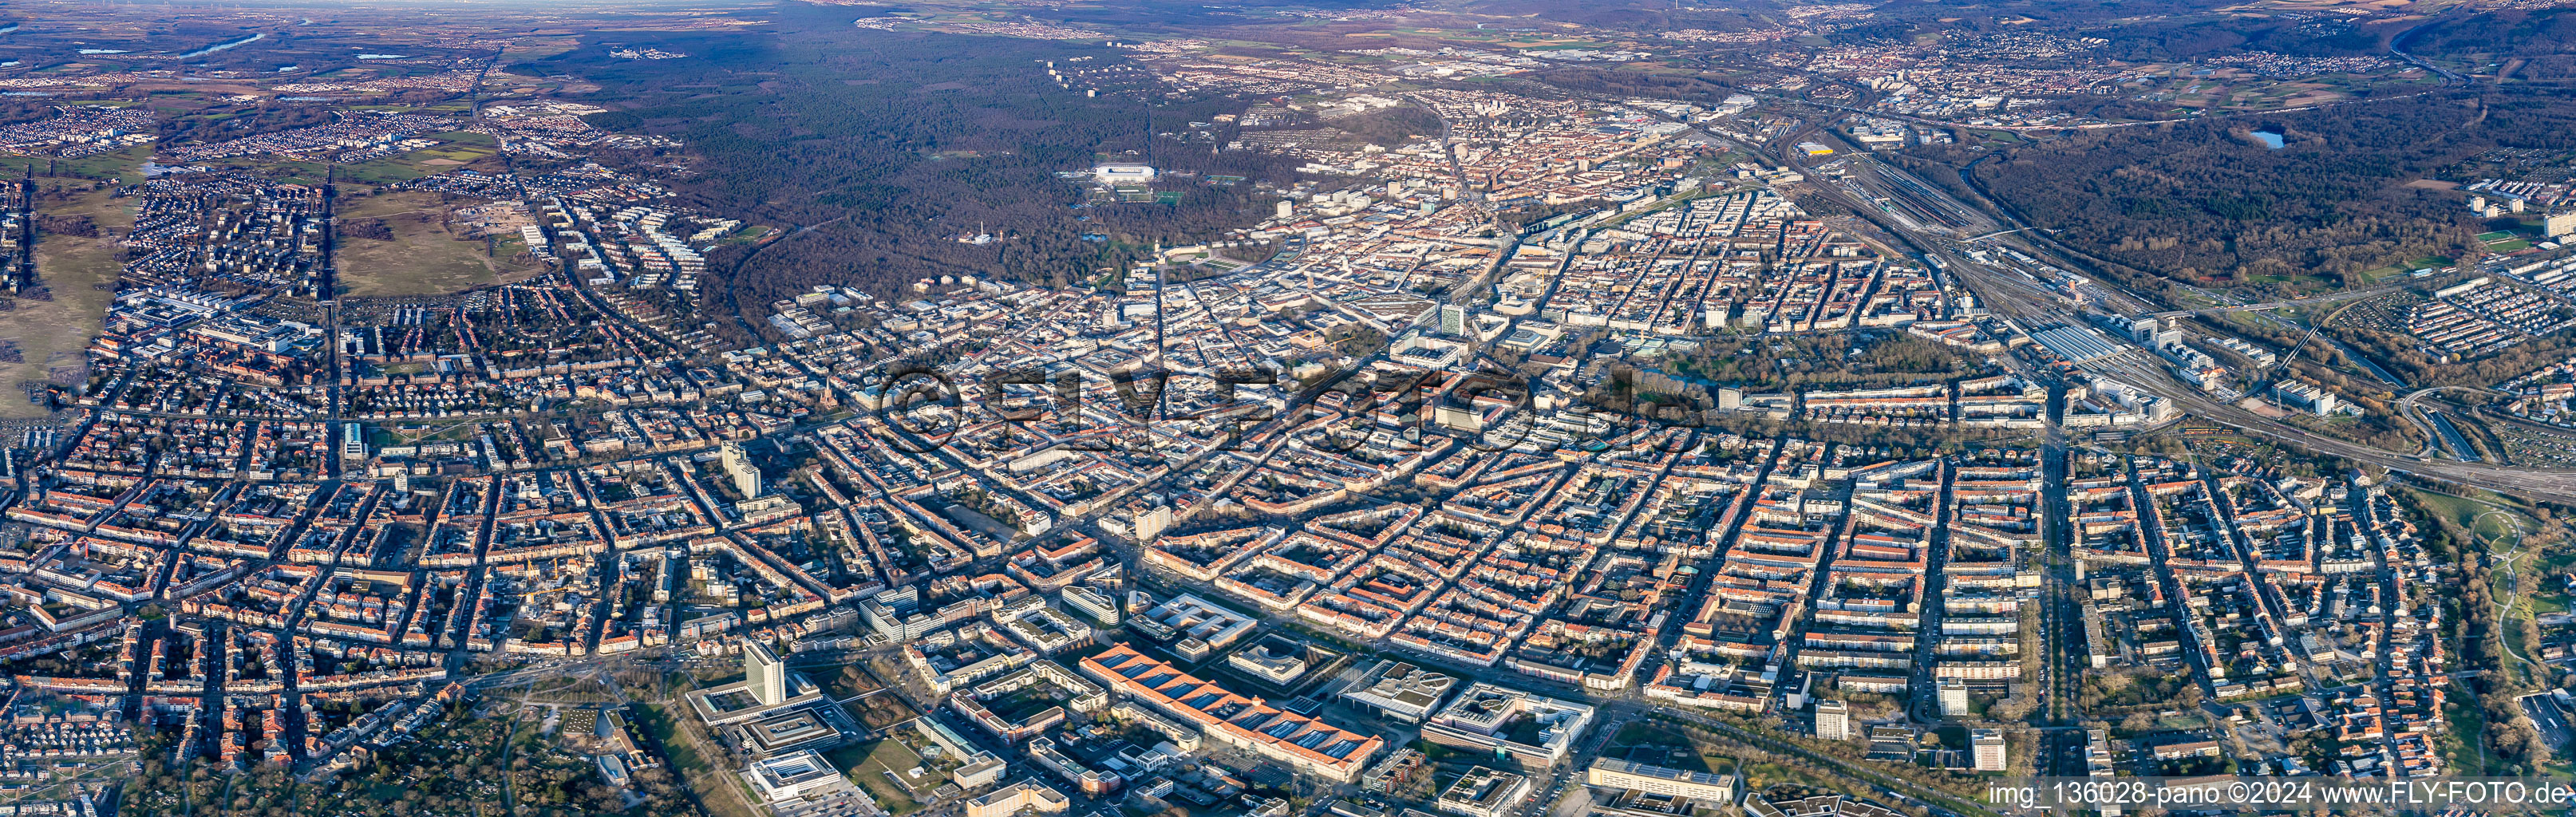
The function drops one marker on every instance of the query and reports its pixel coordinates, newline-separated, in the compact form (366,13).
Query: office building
(1091,782)
(764,702)
(1026,795)
(1833,720)
(1609,773)
(766,674)
(1402,691)
(1279,662)
(353,443)
(1537,729)
(1196,628)
(1822,805)
(1484,792)
(1458,417)
(2305,395)
(1395,771)
(1096,604)
(1182,736)
(787,729)
(1954,697)
(805,785)
(977,768)
(1988,748)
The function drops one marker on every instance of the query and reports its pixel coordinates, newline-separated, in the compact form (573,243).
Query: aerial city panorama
(1287,408)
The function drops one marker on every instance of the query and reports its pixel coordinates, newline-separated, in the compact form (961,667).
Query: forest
(2203,203)
(2542,42)
(2234,35)
(877,150)
(2152,30)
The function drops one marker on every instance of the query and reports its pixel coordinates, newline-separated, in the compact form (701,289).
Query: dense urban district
(1119,408)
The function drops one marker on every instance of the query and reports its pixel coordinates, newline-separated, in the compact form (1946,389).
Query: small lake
(2270,139)
(384,56)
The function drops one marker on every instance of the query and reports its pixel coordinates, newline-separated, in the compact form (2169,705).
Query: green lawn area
(850,680)
(2548,601)
(123,165)
(78,276)
(2556,560)
(1021,705)
(1763,774)
(1649,736)
(2547,597)
(1681,752)
(2510,246)
(2461,749)
(2496,236)
(462,148)
(426,255)
(867,766)
(709,781)
(443,107)
(2457,509)
(656,722)
(2471,514)
(2492,528)
(2300,283)
(2496,530)
(2373,276)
